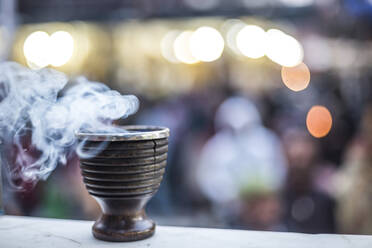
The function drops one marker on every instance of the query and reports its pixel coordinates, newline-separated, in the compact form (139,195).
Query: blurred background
(268,102)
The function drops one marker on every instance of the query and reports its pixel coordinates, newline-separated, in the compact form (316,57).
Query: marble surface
(52,233)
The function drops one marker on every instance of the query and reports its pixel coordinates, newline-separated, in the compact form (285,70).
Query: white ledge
(53,233)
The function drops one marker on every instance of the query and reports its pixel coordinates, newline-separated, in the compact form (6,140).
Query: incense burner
(124,170)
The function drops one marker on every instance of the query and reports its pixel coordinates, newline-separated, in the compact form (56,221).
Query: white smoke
(38,120)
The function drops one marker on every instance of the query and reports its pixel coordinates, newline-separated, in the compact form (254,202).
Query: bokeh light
(322,59)
(61,48)
(42,50)
(296,78)
(36,49)
(202,5)
(166,46)
(283,49)
(319,121)
(233,27)
(251,41)
(206,44)
(182,50)
(298,3)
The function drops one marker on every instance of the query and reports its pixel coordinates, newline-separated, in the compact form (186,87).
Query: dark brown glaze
(122,178)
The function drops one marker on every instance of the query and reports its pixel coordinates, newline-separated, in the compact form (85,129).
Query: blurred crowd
(237,161)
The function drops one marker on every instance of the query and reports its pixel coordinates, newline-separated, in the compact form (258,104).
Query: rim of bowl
(136,132)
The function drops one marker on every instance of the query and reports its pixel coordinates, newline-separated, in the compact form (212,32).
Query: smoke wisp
(39,117)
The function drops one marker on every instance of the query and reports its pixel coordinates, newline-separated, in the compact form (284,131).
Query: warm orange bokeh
(296,78)
(319,121)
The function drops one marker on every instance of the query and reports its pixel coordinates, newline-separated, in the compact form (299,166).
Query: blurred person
(307,209)
(353,183)
(172,114)
(190,120)
(242,168)
(20,197)
(62,195)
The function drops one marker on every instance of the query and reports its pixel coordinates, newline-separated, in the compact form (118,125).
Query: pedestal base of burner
(123,228)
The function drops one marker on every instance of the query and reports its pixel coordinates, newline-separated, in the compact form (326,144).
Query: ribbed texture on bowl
(124,169)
